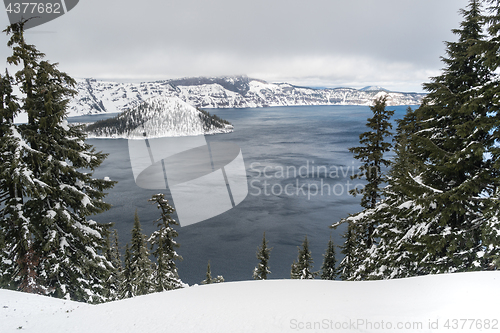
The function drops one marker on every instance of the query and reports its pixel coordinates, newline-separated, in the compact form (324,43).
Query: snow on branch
(418,180)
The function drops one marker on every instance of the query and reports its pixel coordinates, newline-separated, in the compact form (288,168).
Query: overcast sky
(330,43)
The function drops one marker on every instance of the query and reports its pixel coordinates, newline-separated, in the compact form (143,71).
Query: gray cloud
(394,43)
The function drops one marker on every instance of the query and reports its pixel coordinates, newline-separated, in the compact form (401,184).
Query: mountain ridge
(374,88)
(94,96)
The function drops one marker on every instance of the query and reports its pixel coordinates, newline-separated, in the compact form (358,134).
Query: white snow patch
(51,214)
(234,306)
(406,205)
(87,230)
(86,201)
(419,181)
(87,157)
(63,243)
(64,125)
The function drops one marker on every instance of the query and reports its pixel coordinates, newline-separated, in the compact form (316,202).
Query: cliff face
(223,92)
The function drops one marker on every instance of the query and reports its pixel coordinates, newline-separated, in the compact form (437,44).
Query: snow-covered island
(159,116)
(465,302)
(96,96)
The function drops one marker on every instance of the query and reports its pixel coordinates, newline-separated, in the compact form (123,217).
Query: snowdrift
(436,303)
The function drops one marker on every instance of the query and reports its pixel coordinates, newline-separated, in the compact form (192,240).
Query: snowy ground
(461,302)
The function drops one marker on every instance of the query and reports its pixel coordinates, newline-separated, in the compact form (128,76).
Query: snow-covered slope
(159,116)
(436,303)
(373,88)
(224,92)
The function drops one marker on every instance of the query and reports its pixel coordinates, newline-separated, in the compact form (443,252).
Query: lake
(298,168)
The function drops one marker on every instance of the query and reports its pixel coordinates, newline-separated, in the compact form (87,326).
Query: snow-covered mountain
(463,302)
(373,88)
(159,116)
(224,92)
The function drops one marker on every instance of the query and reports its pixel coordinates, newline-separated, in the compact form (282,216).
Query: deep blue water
(302,146)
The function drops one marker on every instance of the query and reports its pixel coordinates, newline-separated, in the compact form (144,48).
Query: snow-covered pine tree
(301,269)
(218,279)
(17,262)
(114,283)
(127,289)
(441,206)
(460,178)
(294,271)
(371,154)
(140,266)
(359,236)
(391,257)
(491,46)
(209,279)
(50,245)
(163,247)
(491,93)
(348,262)
(263,253)
(329,269)
(10,183)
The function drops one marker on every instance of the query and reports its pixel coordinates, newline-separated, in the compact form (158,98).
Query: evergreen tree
(10,160)
(460,179)
(491,47)
(371,154)
(127,289)
(141,273)
(441,205)
(329,270)
(163,246)
(301,269)
(294,271)
(50,246)
(392,256)
(114,283)
(359,236)
(347,264)
(209,279)
(263,252)
(491,94)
